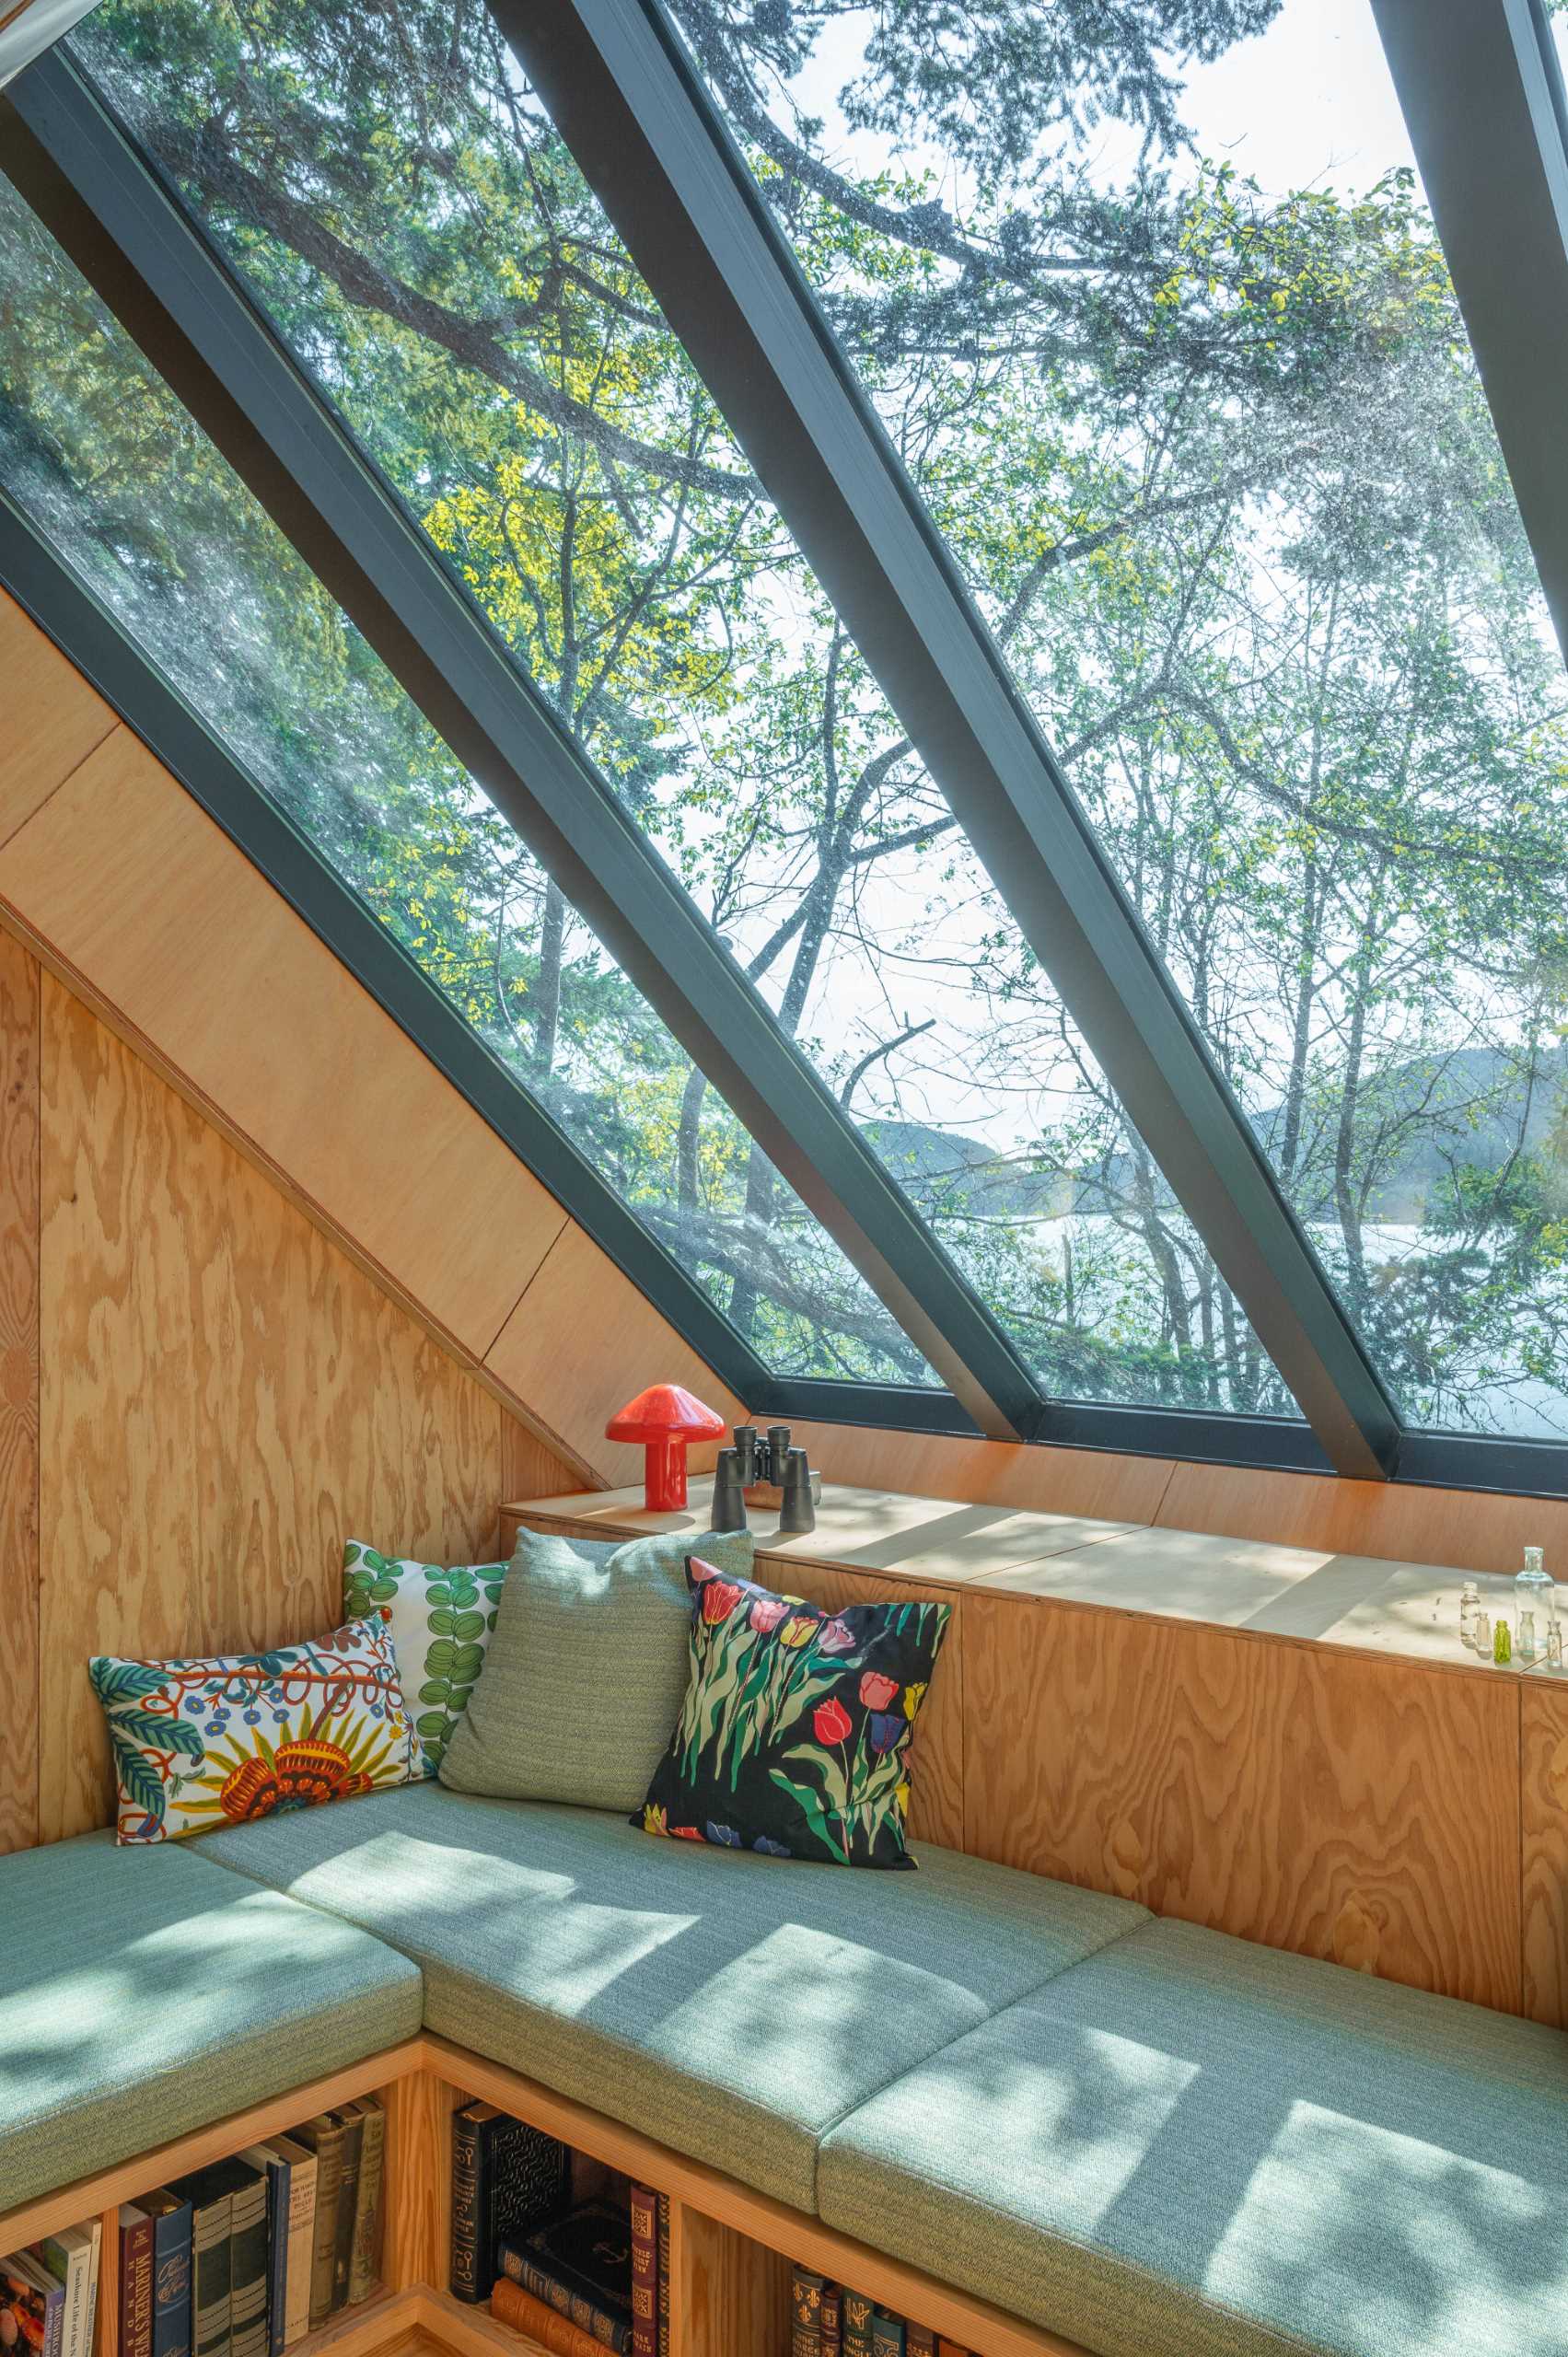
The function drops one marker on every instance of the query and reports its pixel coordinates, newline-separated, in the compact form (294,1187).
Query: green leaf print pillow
(441,1616)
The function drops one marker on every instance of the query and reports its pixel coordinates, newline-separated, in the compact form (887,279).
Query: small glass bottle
(1481,1628)
(1470,1605)
(1525,1643)
(1532,1586)
(1555,1642)
(1502,1642)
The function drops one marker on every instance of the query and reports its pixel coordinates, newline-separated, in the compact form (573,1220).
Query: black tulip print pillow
(794,1737)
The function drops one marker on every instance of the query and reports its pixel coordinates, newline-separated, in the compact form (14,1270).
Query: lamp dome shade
(664,1418)
(664,1408)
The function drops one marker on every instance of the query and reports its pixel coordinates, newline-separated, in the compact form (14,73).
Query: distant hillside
(1462,1109)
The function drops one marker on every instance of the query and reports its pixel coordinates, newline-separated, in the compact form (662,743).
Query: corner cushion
(145,1991)
(1195,2144)
(734,2006)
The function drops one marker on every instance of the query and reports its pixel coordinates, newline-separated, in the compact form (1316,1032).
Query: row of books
(49,2294)
(580,2272)
(830,2320)
(239,2260)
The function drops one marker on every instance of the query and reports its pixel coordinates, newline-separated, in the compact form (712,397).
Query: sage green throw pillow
(586,1669)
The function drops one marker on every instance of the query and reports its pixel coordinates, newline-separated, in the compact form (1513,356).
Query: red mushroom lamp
(664,1418)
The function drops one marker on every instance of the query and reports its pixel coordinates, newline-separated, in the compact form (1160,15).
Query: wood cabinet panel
(51,720)
(1544,1804)
(127,883)
(226,1397)
(1322,1802)
(18,1389)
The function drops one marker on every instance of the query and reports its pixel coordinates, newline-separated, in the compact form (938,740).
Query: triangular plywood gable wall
(128,891)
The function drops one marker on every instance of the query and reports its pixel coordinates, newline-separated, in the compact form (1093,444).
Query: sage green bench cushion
(146,1990)
(1198,2146)
(729,2004)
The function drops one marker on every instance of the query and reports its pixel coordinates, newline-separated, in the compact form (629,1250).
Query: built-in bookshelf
(732,2251)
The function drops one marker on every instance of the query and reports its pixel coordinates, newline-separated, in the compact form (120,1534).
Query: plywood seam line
(531,1280)
(29,816)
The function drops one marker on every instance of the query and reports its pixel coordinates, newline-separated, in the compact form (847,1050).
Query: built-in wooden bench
(1280,1742)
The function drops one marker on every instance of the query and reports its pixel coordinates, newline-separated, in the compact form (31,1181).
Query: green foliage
(1217,464)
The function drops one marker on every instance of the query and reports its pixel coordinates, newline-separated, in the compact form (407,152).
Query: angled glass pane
(403,211)
(97,454)
(1154,312)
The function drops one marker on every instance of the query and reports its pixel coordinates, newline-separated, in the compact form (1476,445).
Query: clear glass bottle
(1470,1605)
(1482,1633)
(1555,1642)
(1524,1640)
(1533,1590)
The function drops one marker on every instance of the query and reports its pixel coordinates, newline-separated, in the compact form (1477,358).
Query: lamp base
(664,1474)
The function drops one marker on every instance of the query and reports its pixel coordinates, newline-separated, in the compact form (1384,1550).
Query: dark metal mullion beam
(102,650)
(171,290)
(629,104)
(1482,93)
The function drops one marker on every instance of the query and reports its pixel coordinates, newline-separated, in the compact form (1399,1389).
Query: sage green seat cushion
(1195,2145)
(732,2006)
(144,1992)
(587,1671)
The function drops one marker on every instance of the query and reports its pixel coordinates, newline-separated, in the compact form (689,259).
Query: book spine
(135,2288)
(525,2267)
(466,2212)
(348,2207)
(510,2304)
(210,2262)
(854,2329)
(171,2281)
(644,2271)
(806,2314)
(323,2247)
(72,2270)
(919,2341)
(95,2263)
(279,2174)
(833,2310)
(54,2320)
(950,2348)
(301,2243)
(365,2257)
(248,2280)
(887,2335)
(664,2275)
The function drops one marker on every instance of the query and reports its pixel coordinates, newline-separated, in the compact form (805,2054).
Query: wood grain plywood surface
(1358,1810)
(127,884)
(50,719)
(1543,1802)
(226,1399)
(581,1342)
(1472,1530)
(19,1390)
(987,1472)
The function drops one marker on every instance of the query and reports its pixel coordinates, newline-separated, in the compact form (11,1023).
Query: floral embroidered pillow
(794,1737)
(227,1739)
(442,1618)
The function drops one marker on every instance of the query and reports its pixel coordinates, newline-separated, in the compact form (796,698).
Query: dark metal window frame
(202,333)
(149,263)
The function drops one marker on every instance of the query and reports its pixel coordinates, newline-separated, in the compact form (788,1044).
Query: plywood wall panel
(19,1391)
(50,719)
(1543,1802)
(1477,1530)
(581,1341)
(530,1469)
(1361,1811)
(226,1397)
(124,881)
(986,1472)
